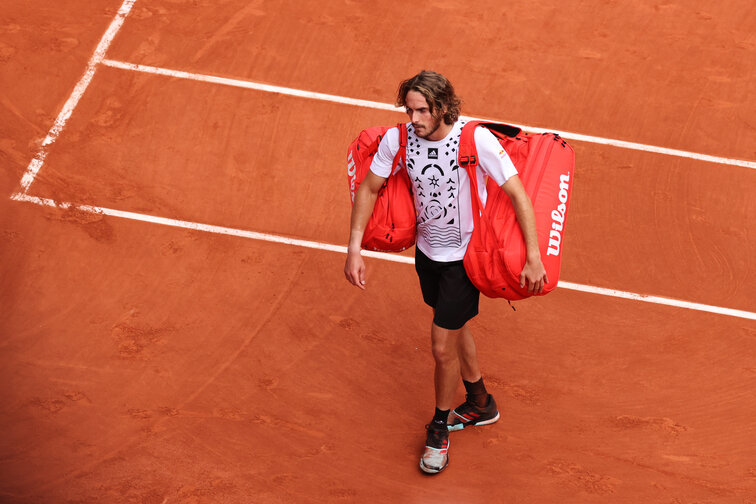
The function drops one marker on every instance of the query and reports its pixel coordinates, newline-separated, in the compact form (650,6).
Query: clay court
(175,322)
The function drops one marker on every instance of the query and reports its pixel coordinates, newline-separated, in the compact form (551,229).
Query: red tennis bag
(392,226)
(496,254)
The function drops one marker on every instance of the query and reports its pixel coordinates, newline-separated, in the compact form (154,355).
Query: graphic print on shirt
(435,180)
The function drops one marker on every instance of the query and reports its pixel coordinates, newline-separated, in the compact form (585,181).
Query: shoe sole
(430,470)
(462,425)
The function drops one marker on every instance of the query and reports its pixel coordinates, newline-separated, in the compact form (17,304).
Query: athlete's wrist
(533,256)
(354,248)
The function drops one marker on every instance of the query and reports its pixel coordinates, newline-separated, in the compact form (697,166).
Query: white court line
(385,106)
(79,89)
(249,85)
(209,228)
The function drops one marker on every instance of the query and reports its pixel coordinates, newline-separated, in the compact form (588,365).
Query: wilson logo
(557,217)
(352,174)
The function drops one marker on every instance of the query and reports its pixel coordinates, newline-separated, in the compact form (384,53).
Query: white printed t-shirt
(441,188)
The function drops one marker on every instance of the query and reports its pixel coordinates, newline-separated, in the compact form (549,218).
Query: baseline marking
(385,106)
(79,89)
(209,228)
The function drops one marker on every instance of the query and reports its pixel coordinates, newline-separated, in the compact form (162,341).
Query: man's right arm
(364,201)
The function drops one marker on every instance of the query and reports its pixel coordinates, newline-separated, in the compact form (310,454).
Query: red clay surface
(149,364)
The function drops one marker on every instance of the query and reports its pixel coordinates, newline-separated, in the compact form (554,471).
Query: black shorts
(448,290)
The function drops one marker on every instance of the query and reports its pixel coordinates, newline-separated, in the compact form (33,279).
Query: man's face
(425,123)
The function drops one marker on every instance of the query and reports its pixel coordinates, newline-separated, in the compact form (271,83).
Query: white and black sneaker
(436,455)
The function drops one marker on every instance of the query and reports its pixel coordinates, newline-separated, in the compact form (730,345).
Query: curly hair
(438,92)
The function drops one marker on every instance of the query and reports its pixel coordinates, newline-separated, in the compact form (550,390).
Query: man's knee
(445,344)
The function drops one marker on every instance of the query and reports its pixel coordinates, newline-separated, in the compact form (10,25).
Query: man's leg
(445,345)
(479,407)
(468,356)
(468,359)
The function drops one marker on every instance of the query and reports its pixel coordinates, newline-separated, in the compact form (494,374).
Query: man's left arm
(533,273)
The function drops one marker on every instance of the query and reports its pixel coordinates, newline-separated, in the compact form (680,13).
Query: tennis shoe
(436,455)
(468,414)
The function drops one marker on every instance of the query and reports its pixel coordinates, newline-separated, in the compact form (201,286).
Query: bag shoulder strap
(467,158)
(402,152)
(468,154)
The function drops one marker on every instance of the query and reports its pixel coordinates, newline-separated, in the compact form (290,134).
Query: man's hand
(534,275)
(354,269)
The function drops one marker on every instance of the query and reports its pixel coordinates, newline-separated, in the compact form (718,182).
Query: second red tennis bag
(392,226)
(496,254)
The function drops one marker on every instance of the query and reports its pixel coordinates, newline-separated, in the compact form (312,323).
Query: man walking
(444,225)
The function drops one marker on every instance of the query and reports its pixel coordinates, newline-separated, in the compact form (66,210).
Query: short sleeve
(494,160)
(387,149)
